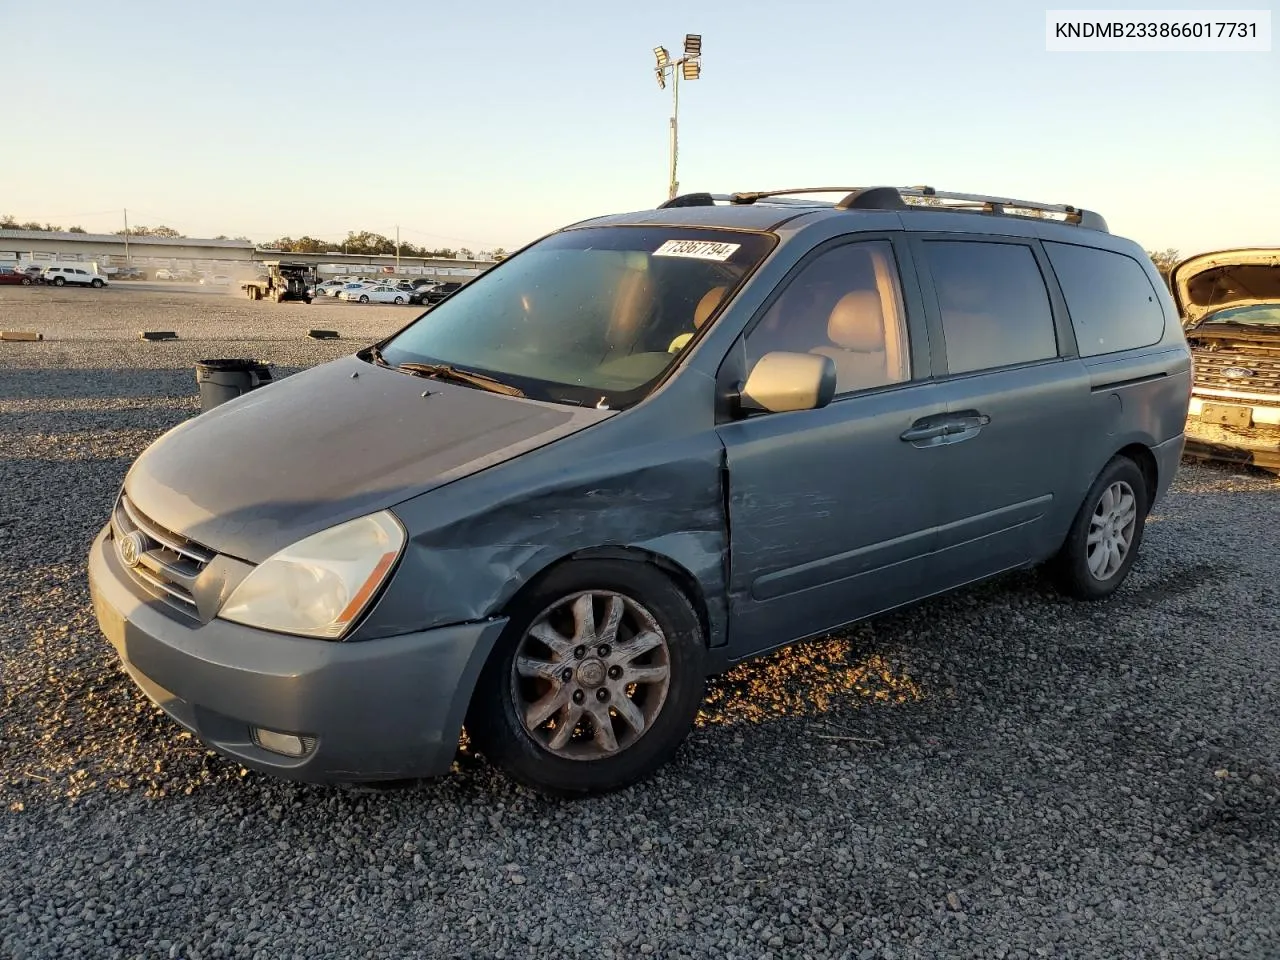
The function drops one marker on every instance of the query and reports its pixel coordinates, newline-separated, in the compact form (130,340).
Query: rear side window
(994,304)
(1112,303)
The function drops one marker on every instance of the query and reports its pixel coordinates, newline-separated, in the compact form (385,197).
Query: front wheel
(96,283)
(596,681)
(364,299)
(26,281)
(1103,542)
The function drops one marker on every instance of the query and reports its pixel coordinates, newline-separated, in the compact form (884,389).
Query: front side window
(586,316)
(845,304)
(994,304)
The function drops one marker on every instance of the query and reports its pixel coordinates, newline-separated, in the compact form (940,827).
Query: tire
(650,604)
(1075,570)
(364,298)
(59,281)
(96,284)
(26,281)
(398,301)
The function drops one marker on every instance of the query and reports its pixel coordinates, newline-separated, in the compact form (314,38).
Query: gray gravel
(1000,773)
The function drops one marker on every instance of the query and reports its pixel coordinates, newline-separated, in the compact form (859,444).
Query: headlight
(319,585)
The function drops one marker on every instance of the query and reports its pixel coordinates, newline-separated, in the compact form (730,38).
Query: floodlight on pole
(688,67)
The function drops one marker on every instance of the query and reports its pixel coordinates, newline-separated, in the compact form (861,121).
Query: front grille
(168,563)
(1263,371)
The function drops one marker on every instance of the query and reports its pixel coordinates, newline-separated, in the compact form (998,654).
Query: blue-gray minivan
(644,448)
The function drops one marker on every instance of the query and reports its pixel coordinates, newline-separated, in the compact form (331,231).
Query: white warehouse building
(236,257)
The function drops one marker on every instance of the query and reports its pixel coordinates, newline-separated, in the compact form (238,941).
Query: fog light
(285,743)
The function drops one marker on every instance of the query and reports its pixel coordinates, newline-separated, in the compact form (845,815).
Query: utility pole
(126,236)
(675,132)
(397,248)
(690,67)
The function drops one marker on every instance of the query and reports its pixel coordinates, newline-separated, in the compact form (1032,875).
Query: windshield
(1262,314)
(587,316)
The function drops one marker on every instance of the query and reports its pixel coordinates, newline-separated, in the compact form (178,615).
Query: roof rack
(894,198)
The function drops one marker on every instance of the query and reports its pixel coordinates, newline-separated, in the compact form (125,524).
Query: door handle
(967,422)
(923,430)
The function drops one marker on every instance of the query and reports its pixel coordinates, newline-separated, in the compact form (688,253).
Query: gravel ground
(999,773)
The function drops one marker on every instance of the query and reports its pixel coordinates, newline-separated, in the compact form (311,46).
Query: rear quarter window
(1112,304)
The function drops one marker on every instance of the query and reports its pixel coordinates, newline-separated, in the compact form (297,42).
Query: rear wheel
(1106,534)
(595,682)
(399,300)
(364,298)
(26,281)
(59,282)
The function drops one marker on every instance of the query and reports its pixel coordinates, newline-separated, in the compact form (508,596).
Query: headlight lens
(319,585)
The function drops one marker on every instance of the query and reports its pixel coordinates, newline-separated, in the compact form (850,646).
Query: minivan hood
(1209,282)
(340,440)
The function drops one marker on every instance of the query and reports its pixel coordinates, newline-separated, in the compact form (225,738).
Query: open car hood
(1209,282)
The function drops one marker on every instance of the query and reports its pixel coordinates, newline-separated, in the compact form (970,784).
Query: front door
(831,511)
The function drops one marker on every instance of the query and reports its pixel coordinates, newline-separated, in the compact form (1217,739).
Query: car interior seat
(701,314)
(857,331)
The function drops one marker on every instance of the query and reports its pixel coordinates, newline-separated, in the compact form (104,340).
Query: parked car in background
(164,273)
(62,276)
(216,280)
(329,287)
(11,277)
(128,273)
(375,293)
(337,292)
(652,446)
(433,295)
(1230,304)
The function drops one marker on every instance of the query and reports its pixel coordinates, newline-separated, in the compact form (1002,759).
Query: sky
(489,125)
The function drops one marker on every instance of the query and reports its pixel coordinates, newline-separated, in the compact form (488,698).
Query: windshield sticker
(697,249)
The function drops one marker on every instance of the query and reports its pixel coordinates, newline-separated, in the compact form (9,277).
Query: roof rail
(1003,205)
(893,198)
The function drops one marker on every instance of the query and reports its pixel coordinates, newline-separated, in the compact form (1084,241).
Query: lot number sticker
(697,249)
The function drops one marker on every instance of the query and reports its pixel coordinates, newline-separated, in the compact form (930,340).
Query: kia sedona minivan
(642,449)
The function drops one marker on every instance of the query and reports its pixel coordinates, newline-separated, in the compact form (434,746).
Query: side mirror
(780,382)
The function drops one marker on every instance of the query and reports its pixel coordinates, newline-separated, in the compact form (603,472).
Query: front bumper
(1254,440)
(367,710)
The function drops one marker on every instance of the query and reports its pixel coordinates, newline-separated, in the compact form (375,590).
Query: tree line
(368,243)
(9,222)
(361,242)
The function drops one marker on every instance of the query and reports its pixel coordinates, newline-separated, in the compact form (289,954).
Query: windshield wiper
(444,371)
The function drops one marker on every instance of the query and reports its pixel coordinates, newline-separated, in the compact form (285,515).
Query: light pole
(688,66)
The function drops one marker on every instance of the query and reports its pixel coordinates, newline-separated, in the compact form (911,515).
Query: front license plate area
(1228,415)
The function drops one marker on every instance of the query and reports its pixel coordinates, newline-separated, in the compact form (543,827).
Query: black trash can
(223,380)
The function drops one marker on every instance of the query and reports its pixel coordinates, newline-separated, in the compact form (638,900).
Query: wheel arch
(680,575)
(1145,460)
